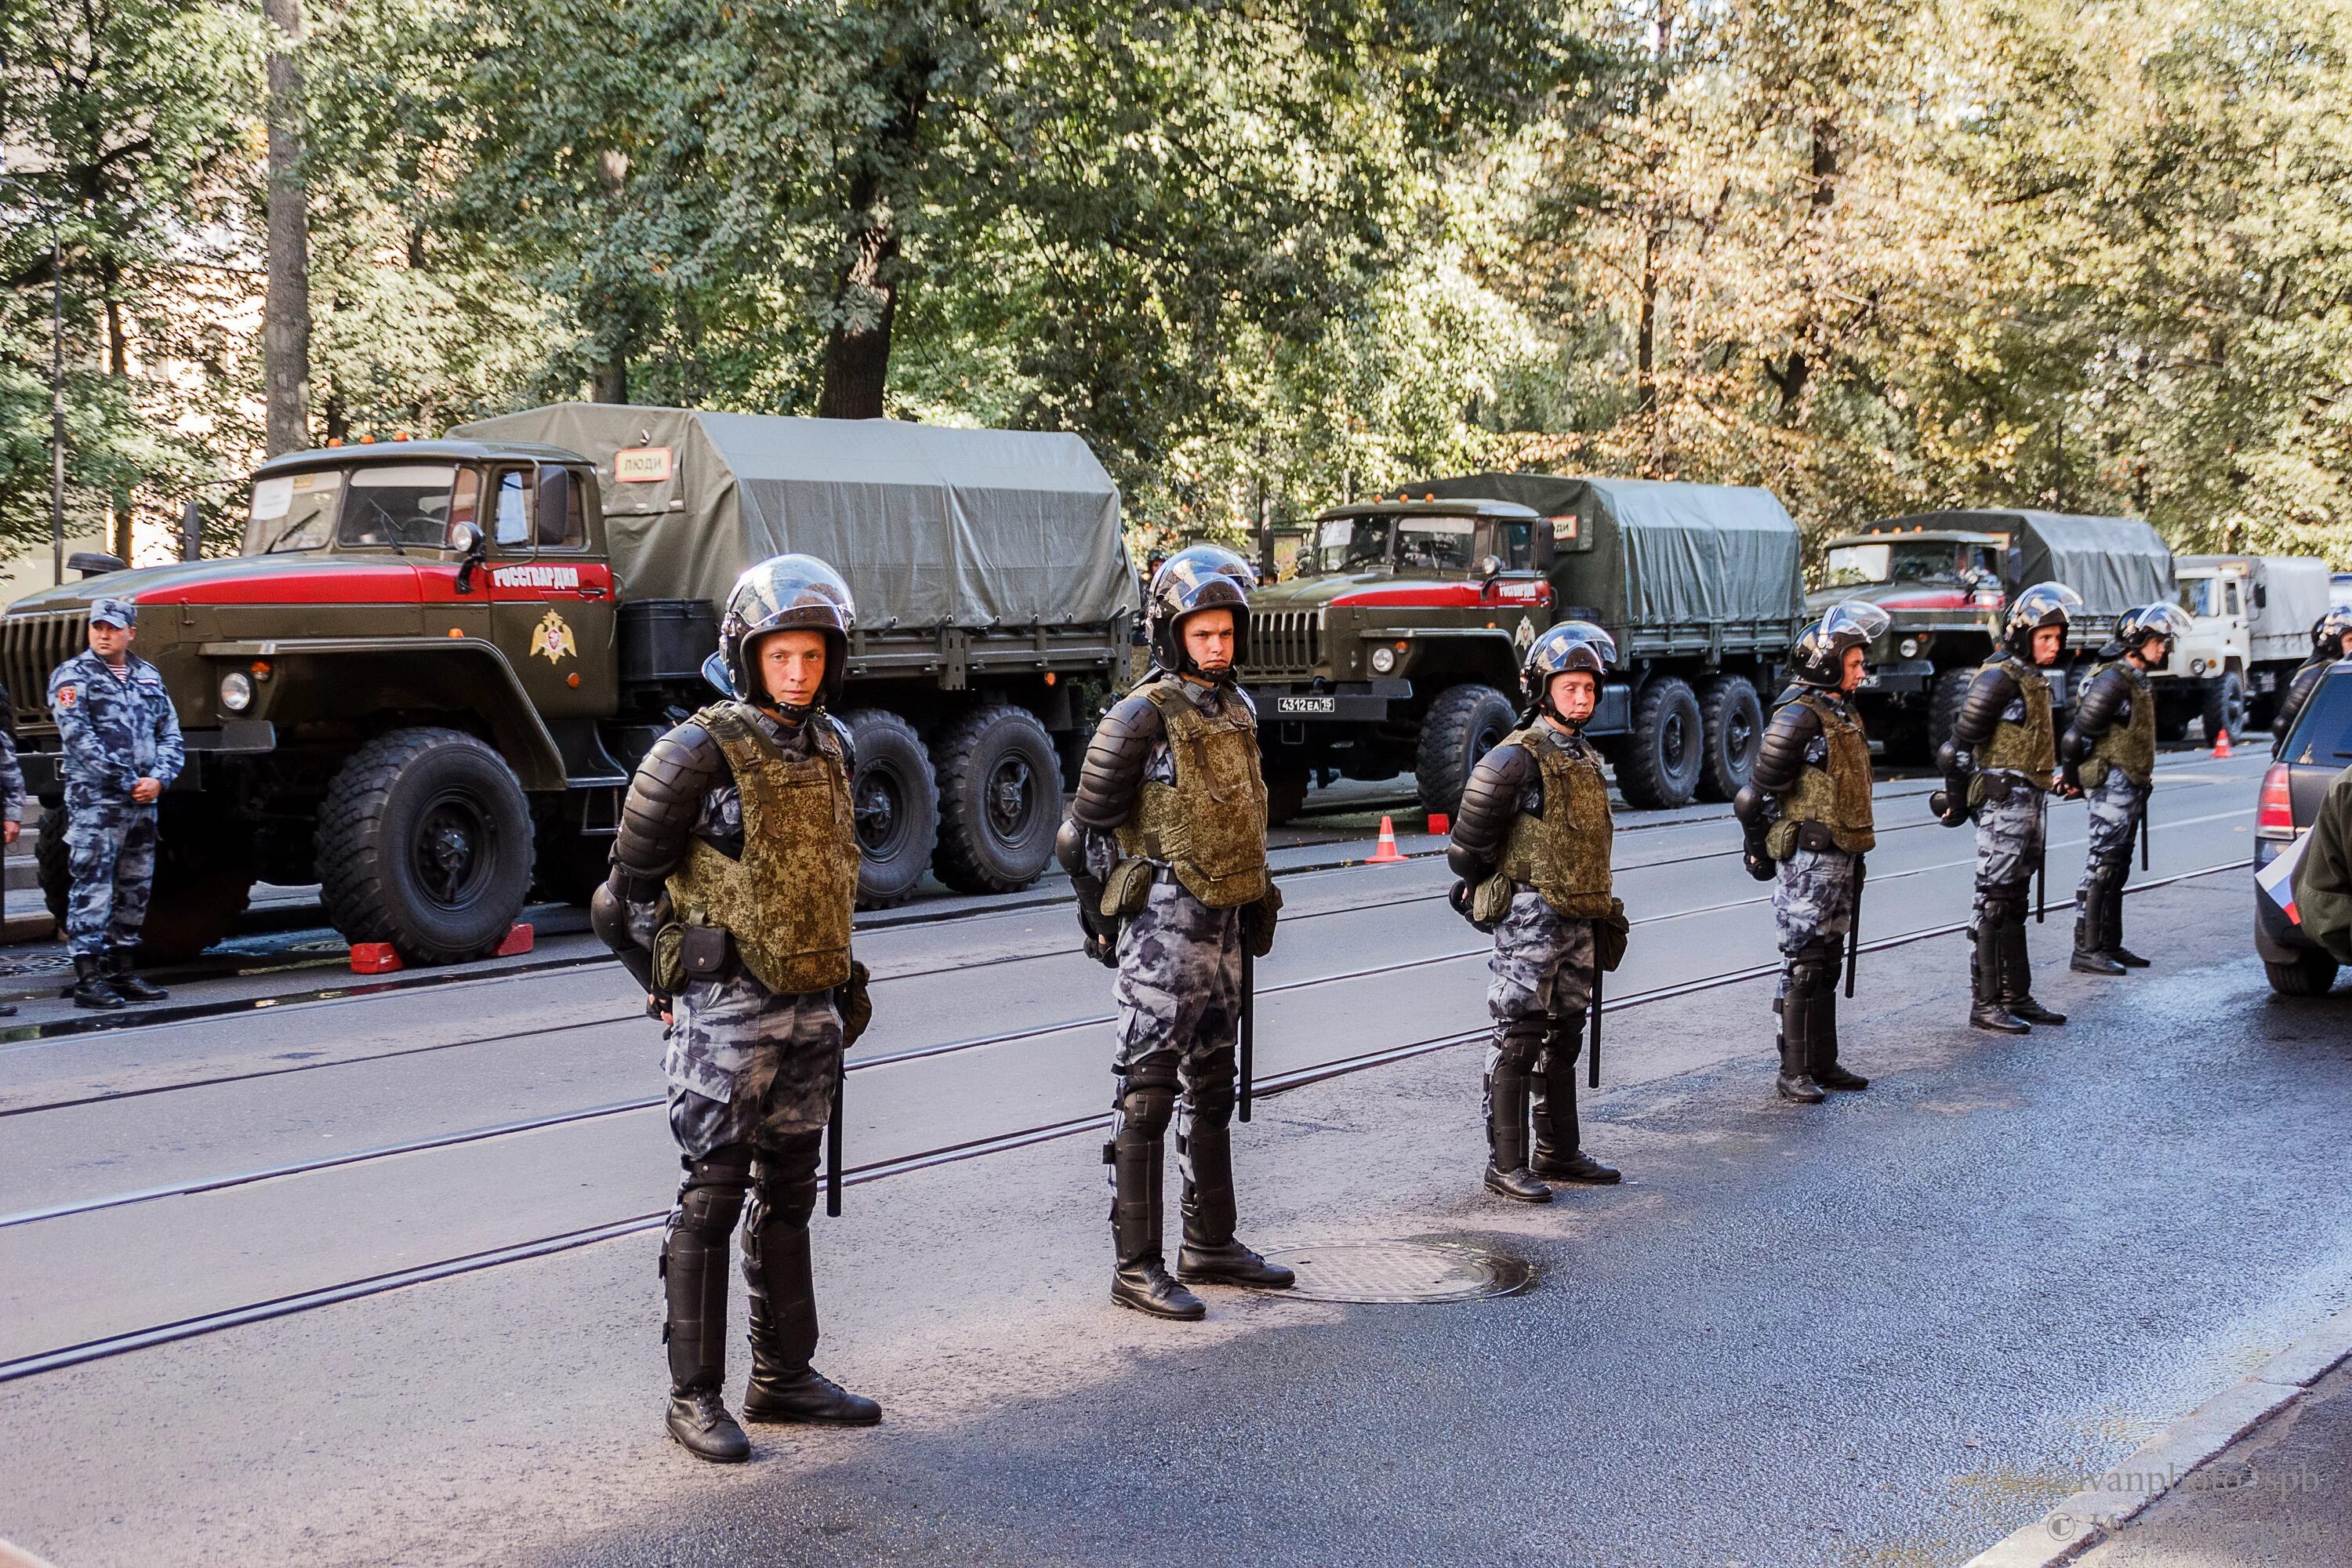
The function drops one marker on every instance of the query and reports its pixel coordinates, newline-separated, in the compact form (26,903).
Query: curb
(2100,1511)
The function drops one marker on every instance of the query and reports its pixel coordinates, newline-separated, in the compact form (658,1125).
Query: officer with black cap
(734,875)
(1531,845)
(1806,816)
(1165,845)
(2109,754)
(2331,639)
(1999,766)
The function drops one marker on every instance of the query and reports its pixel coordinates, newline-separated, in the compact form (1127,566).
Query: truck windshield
(402,506)
(292,511)
(1915,561)
(2197,596)
(1352,543)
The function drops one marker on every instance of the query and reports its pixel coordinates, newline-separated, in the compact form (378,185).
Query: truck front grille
(31,648)
(1285,642)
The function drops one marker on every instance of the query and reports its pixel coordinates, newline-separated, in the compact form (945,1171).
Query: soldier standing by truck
(1999,766)
(1531,846)
(1806,817)
(2331,639)
(733,876)
(2109,754)
(121,737)
(1166,846)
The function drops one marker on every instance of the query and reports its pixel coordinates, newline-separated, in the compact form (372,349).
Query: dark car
(2316,750)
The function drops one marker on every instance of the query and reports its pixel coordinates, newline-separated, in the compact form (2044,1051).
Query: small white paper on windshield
(272,499)
(2277,880)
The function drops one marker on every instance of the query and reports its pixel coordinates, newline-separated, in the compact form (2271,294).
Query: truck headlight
(1908,648)
(2196,667)
(237,692)
(1383,660)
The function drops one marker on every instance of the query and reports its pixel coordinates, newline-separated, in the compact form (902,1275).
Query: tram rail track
(103,1347)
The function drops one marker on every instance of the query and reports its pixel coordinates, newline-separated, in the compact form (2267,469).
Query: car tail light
(2274,813)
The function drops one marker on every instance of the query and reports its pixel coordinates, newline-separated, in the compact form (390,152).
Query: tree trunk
(609,381)
(858,349)
(286,310)
(1646,345)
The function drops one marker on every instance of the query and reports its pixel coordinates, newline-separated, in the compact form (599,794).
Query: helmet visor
(2043,600)
(1856,618)
(2166,620)
(1571,645)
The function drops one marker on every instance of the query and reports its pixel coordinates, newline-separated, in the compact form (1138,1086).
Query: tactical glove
(1258,920)
(856,1006)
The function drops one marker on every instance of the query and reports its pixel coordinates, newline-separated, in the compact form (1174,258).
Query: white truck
(2254,616)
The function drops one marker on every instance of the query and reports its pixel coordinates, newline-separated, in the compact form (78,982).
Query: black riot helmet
(2163,619)
(1198,577)
(1819,658)
(782,594)
(1568,647)
(2327,631)
(2044,604)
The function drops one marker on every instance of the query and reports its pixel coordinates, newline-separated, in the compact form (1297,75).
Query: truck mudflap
(1352,702)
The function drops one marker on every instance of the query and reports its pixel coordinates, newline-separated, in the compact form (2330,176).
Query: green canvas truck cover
(930,524)
(1651,552)
(2116,564)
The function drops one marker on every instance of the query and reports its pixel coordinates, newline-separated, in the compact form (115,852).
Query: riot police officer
(734,875)
(2331,639)
(2109,754)
(1530,845)
(1166,846)
(1806,817)
(1999,766)
(121,737)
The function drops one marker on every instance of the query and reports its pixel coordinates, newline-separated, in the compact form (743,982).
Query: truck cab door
(552,611)
(1520,595)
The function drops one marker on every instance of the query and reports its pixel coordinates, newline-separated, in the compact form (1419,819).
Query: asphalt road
(1775,1345)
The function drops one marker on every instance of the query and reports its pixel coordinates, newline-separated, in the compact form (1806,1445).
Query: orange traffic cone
(2222,744)
(1385,852)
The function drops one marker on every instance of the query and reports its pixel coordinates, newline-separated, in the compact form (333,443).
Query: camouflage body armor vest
(1209,826)
(2029,748)
(787,902)
(2129,746)
(1564,853)
(1836,796)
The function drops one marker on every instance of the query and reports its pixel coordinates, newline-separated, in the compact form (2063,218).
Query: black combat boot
(126,983)
(2114,925)
(2091,933)
(2017,974)
(90,989)
(783,1386)
(1821,1050)
(1508,1096)
(694,1282)
(1560,1153)
(1142,1282)
(1205,1155)
(1986,1011)
(1796,1078)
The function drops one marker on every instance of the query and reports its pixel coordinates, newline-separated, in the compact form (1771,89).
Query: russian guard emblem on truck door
(552,638)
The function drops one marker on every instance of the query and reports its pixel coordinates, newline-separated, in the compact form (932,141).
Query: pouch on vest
(2094,772)
(1781,842)
(705,953)
(1492,902)
(670,966)
(1609,934)
(1128,888)
(1257,922)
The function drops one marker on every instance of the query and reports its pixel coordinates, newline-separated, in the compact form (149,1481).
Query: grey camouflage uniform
(2116,807)
(2008,837)
(1812,902)
(115,730)
(1541,965)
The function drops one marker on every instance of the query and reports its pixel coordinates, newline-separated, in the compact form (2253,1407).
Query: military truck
(1945,577)
(2253,616)
(425,679)
(1398,645)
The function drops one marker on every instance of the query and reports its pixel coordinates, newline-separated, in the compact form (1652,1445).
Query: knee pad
(1148,1095)
(710,1200)
(1814,976)
(784,1181)
(1213,1091)
(1522,1044)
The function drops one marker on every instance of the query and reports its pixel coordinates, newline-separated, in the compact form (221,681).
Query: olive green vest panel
(1836,796)
(2031,748)
(1564,853)
(1209,826)
(787,902)
(2131,747)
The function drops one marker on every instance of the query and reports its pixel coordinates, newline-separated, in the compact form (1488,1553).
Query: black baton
(1854,926)
(1246,1031)
(2143,838)
(832,1148)
(1592,1069)
(2042,885)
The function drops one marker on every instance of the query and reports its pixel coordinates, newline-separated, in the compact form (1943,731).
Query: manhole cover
(1402,1271)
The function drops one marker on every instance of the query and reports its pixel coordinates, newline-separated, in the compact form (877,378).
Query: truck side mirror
(2261,595)
(1488,568)
(466,538)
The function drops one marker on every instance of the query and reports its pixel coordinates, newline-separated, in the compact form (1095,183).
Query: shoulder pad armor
(1115,758)
(664,800)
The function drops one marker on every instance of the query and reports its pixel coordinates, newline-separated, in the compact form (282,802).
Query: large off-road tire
(1731,717)
(1460,727)
(896,798)
(1660,762)
(1000,800)
(1944,699)
(424,841)
(2172,722)
(2225,707)
(2307,975)
(202,878)
(1285,795)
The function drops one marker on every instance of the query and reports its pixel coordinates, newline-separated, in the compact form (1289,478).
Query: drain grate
(1402,1271)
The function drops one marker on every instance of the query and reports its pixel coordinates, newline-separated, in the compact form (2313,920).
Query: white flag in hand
(2277,880)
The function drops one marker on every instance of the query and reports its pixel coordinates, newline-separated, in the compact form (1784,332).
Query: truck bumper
(208,751)
(1900,680)
(1355,702)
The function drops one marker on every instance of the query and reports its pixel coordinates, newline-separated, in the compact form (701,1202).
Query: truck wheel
(202,884)
(1000,800)
(1943,701)
(896,800)
(1659,763)
(1462,726)
(2307,975)
(2172,722)
(2225,707)
(1285,796)
(1731,719)
(424,841)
